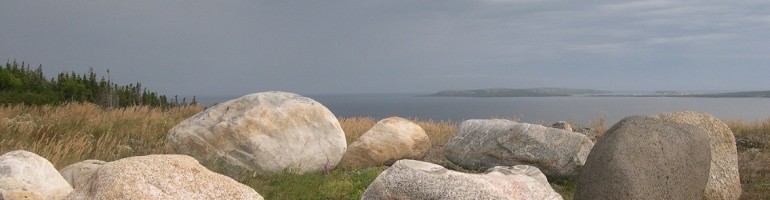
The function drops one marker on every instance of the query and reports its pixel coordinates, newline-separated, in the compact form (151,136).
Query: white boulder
(24,174)
(160,177)
(265,132)
(411,179)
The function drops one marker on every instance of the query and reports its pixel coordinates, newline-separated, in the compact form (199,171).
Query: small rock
(81,171)
(563,125)
(389,140)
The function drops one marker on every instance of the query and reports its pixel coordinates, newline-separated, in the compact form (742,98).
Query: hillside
(755,94)
(505,92)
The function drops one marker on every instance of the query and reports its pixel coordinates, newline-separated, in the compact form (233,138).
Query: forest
(21,84)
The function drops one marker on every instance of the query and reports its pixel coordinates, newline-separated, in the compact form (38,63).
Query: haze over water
(543,110)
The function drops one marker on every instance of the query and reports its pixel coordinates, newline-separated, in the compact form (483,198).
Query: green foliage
(336,184)
(19,84)
(566,188)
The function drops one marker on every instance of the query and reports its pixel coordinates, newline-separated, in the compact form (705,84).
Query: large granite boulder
(80,171)
(265,132)
(411,179)
(481,144)
(159,177)
(724,181)
(647,158)
(25,175)
(391,139)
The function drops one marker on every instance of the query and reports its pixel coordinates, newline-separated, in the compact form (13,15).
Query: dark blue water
(531,109)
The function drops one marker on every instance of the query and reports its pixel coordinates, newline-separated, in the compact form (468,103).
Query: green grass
(336,184)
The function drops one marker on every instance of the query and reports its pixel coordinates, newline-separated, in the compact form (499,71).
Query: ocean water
(542,110)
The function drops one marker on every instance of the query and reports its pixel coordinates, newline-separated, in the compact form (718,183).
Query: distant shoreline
(564,92)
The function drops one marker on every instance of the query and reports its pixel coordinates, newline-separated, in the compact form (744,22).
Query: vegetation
(21,84)
(531,92)
(72,132)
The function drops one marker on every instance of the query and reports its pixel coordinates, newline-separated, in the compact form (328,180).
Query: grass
(78,131)
(73,132)
(753,139)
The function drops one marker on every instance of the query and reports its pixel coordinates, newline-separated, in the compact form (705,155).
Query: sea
(539,110)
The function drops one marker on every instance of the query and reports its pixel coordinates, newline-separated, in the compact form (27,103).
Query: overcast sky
(366,46)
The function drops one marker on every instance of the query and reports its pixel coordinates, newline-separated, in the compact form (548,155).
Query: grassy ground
(74,132)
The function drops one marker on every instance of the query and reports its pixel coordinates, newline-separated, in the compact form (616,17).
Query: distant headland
(530,92)
(557,92)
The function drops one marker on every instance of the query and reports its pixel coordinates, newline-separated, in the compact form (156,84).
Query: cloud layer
(237,47)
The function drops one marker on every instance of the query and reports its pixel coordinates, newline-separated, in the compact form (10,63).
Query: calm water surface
(531,109)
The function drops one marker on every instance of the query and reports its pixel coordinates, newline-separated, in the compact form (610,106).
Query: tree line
(20,84)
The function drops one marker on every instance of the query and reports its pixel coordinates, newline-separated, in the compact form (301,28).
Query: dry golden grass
(78,131)
(753,139)
(439,132)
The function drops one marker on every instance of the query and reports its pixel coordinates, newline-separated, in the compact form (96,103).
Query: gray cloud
(237,47)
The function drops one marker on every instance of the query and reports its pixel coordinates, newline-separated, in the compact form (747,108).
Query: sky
(372,46)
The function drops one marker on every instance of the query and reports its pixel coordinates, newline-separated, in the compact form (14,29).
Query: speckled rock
(391,139)
(410,179)
(160,177)
(647,158)
(724,181)
(481,144)
(80,171)
(266,132)
(25,175)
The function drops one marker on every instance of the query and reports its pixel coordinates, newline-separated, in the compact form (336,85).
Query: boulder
(411,179)
(159,177)
(647,158)
(481,144)
(577,128)
(724,181)
(389,140)
(80,171)
(25,175)
(265,132)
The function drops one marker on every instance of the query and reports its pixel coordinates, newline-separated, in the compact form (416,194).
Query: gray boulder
(481,144)
(391,139)
(159,177)
(411,179)
(80,171)
(724,181)
(25,175)
(265,132)
(647,158)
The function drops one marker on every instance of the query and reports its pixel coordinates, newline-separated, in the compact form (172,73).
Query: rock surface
(577,128)
(80,171)
(160,177)
(481,144)
(391,139)
(265,132)
(724,181)
(410,179)
(647,158)
(25,175)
